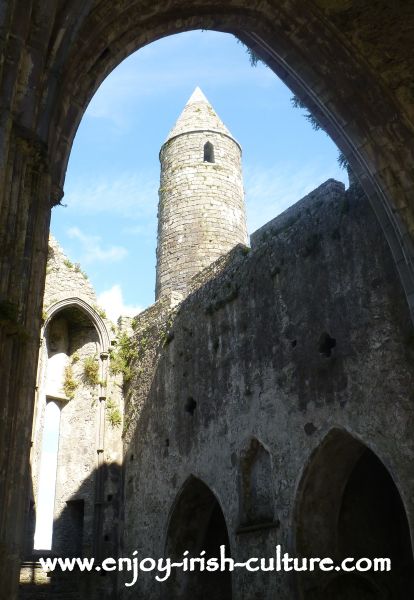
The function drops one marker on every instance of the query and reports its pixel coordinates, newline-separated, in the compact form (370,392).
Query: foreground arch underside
(197,524)
(335,55)
(348,505)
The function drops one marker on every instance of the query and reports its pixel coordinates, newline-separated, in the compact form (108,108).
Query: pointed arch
(197,523)
(47,479)
(209,152)
(73,330)
(90,312)
(256,504)
(348,505)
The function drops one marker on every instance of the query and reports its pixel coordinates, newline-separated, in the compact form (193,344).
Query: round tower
(201,212)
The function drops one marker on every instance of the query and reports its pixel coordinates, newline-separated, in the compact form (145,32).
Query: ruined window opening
(326,344)
(255,477)
(190,405)
(358,513)
(209,152)
(197,523)
(66,334)
(47,479)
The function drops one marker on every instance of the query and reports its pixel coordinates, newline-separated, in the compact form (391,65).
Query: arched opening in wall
(255,486)
(85,198)
(197,523)
(289,34)
(347,122)
(209,152)
(66,422)
(115,181)
(47,478)
(349,506)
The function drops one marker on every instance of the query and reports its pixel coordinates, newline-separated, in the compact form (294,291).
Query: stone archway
(197,524)
(73,333)
(349,506)
(84,306)
(335,55)
(256,504)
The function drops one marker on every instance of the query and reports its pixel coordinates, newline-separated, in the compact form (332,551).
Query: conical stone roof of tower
(198,115)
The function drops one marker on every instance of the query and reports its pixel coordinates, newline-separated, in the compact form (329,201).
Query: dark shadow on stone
(73,536)
(196,524)
(349,506)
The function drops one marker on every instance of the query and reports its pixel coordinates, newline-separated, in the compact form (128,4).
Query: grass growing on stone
(91,370)
(77,269)
(69,383)
(122,356)
(100,311)
(68,263)
(113,413)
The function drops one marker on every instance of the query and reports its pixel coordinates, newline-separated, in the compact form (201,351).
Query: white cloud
(93,250)
(130,195)
(113,302)
(270,191)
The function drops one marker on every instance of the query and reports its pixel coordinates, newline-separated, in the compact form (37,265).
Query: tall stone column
(25,208)
(201,212)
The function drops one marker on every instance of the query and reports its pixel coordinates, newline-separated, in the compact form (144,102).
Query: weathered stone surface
(351,61)
(201,212)
(74,374)
(305,334)
(64,278)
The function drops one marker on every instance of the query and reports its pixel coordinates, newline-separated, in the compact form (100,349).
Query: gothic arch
(197,523)
(85,307)
(57,54)
(349,505)
(73,333)
(280,37)
(256,504)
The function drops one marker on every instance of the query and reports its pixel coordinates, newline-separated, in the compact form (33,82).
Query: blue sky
(109,224)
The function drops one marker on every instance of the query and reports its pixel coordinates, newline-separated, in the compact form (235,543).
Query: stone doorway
(197,523)
(351,507)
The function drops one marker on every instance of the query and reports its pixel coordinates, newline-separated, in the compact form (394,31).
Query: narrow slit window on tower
(208,152)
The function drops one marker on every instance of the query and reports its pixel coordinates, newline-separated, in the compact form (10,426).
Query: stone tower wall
(201,213)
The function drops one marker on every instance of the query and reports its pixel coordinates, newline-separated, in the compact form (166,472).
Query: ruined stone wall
(330,53)
(65,278)
(74,372)
(201,207)
(307,332)
(77,459)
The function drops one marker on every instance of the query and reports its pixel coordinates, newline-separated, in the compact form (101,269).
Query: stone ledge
(326,192)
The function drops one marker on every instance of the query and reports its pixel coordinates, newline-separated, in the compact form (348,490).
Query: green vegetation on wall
(91,370)
(113,413)
(69,383)
(122,356)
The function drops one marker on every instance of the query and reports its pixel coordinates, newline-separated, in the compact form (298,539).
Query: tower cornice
(215,131)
